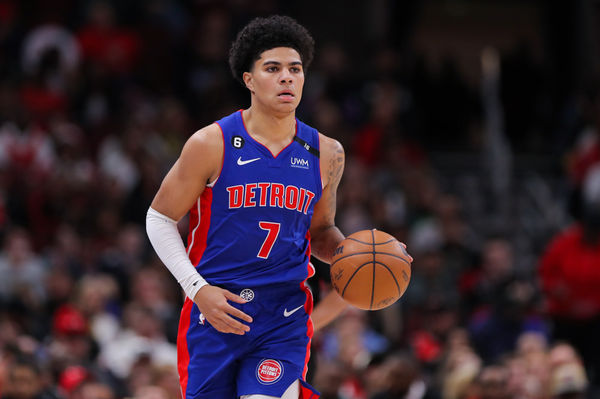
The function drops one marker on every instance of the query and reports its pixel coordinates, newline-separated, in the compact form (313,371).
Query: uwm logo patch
(299,163)
(269,371)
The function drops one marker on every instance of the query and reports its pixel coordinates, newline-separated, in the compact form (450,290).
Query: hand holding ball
(370,269)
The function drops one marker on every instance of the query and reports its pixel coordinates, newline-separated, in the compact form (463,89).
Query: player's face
(277,78)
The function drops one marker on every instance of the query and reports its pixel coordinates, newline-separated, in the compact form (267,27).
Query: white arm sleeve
(164,237)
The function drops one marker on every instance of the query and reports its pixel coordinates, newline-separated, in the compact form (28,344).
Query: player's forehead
(282,55)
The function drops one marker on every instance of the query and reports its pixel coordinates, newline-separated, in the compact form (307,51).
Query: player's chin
(286,107)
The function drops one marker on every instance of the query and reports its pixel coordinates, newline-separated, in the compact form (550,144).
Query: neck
(269,126)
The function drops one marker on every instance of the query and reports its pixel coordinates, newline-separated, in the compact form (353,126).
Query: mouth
(286,95)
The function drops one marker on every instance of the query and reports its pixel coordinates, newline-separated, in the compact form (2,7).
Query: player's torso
(258,211)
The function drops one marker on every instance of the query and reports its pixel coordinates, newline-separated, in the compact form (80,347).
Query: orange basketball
(370,269)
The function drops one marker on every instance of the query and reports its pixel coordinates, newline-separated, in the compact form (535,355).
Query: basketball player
(261,186)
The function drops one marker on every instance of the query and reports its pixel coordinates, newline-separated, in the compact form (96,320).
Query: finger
(234,324)
(239,314)
(221,324)
(404,245)
(225,328)
(235,298)
(230,330)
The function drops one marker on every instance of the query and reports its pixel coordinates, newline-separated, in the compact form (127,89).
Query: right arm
(199,163)
(325,235)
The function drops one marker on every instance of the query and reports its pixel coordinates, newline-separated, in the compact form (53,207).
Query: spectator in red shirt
(106,45)
(570,278)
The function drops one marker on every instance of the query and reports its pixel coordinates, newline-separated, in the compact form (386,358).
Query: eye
(272,68)
(296,69)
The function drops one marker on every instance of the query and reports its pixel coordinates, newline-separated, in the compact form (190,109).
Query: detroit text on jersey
(274,195)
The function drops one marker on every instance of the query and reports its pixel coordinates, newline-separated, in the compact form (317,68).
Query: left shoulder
(332,159)
(329,146)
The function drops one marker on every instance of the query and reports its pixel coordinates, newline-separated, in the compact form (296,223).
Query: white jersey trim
(212,184)
(195,228)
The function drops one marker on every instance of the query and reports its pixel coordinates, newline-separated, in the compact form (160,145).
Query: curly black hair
(263,34)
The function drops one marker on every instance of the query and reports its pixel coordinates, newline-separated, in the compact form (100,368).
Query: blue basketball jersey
(250,228)
(249,234)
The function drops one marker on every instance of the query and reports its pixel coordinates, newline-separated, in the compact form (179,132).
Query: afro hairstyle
(263,34)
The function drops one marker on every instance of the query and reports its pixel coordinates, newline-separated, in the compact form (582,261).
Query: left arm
(325,236)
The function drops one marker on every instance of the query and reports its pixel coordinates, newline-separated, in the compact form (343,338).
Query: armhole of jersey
(319,176)
(212,183)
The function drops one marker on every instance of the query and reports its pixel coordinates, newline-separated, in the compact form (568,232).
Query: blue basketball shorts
(266,360)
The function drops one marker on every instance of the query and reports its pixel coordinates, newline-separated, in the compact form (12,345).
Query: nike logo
(287,313)
(241,162)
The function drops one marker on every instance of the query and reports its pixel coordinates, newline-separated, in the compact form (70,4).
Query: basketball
(370,269)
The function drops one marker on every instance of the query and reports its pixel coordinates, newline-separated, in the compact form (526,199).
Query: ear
(247,77)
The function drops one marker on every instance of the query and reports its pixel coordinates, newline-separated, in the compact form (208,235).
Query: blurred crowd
(96,101)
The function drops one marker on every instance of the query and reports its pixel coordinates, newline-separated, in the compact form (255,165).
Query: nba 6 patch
(269,371)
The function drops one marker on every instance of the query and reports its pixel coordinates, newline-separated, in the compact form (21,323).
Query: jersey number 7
(273,233)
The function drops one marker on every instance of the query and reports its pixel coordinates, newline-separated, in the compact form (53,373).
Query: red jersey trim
(200,220)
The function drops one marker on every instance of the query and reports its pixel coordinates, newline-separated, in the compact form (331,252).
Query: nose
(286,76)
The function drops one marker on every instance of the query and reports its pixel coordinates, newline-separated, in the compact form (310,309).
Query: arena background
(470,130)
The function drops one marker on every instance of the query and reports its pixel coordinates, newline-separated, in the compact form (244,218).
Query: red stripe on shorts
(183,355)
(308,306)
(199,225)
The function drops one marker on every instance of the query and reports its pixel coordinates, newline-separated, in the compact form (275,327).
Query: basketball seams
(370,289)
(358,268)
(392,273)
(368,252)
(370,243)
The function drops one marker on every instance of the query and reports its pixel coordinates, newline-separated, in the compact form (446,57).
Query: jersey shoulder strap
(307,137)
(230,124)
